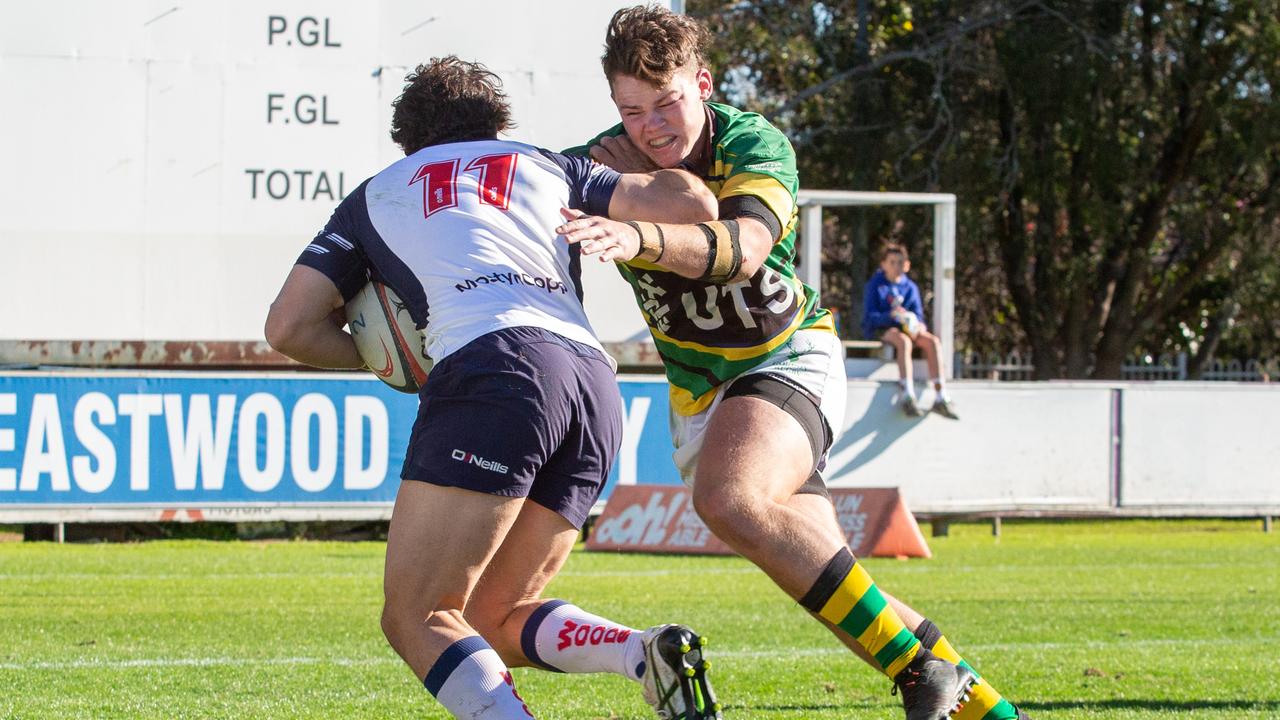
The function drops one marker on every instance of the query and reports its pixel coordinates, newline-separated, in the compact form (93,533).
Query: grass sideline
(1123,619)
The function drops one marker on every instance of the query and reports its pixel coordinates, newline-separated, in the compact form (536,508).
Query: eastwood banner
(654,518)
(78,447)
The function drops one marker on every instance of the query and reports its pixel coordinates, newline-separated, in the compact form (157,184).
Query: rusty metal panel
(142,353)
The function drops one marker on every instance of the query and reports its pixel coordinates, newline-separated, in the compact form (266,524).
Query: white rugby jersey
(465,234)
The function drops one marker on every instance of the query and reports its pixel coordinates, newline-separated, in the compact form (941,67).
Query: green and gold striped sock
(845,595)
(984,702)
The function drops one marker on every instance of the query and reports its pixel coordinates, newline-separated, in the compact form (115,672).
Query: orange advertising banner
(661,519)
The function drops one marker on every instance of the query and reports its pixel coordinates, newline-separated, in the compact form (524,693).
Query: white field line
(744,570)
(28,577)
(1151,644)
(108,576)
(194,662)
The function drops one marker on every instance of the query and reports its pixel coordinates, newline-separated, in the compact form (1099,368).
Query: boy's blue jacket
(878,300)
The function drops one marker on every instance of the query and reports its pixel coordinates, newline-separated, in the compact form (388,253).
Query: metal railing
(1021,366)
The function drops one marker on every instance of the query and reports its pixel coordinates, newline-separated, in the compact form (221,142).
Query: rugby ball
(390,344)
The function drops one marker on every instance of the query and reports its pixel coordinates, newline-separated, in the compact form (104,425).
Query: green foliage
(1117,163)
(1080,620)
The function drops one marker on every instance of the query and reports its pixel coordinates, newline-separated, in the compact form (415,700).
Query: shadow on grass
(1154,705)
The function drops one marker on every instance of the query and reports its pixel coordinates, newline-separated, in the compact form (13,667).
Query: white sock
(471,681)
(907,387)
(564,637)
(939,391)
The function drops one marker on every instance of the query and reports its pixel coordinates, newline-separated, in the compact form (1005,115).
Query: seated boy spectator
(892,313)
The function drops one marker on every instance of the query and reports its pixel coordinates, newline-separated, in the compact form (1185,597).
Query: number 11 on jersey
(439,182)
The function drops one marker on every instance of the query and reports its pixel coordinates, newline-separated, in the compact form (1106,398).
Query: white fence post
(944,280)
(811,247)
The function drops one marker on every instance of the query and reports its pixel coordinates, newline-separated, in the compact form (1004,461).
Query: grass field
(1134,619)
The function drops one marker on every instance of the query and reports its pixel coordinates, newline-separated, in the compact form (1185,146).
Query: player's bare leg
(511,587)
(508,609)
(822,511)
(438,544)
(985,699)
(754,458)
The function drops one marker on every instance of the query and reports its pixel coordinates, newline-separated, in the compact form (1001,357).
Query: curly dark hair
(449,100)
(650,43)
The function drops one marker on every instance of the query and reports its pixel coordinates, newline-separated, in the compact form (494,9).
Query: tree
(1116,162)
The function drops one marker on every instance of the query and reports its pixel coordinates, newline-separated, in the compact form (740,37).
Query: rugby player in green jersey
(755,367)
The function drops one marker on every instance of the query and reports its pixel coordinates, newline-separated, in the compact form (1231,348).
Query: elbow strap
(724,250)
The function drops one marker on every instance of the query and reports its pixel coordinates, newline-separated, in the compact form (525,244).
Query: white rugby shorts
(810,359)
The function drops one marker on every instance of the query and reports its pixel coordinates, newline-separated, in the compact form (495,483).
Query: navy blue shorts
(520,412)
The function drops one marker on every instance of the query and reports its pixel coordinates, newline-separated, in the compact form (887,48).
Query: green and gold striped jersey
(709,334)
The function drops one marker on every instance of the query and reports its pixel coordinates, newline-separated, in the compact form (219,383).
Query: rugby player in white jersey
(463,229)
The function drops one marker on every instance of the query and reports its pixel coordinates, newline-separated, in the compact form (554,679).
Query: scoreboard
(165,162)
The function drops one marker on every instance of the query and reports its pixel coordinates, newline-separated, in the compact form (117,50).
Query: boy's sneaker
(945,408)
(909,406)
(932,688)
(675,681)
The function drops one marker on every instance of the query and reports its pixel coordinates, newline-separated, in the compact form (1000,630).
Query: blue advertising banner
(186,440)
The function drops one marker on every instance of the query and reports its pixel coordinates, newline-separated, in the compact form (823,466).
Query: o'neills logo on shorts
(473,459)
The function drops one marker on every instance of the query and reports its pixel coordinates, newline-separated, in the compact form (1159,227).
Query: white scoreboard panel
(165,162)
